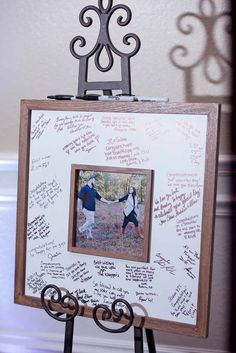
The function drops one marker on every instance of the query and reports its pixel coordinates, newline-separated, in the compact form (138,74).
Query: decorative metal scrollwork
(115,315)
(104,43)
(66,301)
(211,52)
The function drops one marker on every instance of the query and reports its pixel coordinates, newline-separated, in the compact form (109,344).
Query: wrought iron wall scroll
(104,42)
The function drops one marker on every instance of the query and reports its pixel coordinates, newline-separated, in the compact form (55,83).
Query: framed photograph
(118,225)
(116,200)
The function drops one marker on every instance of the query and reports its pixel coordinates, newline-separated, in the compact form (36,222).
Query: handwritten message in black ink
(39,126)
(40,163)
(188,227)
(38,228)
(146,296)
(142,275)
(79,271)
(44,194)
(74,123)
(107,293)
(106,268)
(125,152)
(189,258)
(182,180)
(164,264)
(169,206)
(53,269)
(86,142)
(49,249)
(181,302)
(35,282)
(84,297)
(119,123)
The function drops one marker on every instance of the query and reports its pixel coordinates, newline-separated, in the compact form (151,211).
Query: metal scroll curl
(66,301)
(115,314)
(104,41)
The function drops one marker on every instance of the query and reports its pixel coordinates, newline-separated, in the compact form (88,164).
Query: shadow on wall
(214,65)
(217,67)
(212,62)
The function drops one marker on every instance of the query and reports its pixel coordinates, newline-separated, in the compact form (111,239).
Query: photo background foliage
(115,185)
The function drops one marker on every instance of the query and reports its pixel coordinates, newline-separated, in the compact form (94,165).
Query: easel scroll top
(104,43)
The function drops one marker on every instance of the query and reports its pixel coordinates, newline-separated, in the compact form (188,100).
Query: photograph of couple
(112,212)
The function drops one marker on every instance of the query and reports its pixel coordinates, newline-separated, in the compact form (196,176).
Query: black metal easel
(68,302)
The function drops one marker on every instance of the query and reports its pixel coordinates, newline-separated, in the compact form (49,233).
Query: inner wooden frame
(208,211)
(148,174)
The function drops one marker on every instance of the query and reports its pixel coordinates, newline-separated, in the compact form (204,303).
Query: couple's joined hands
(111,202)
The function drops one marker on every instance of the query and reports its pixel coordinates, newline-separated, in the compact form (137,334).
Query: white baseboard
(8,181)
(54,343)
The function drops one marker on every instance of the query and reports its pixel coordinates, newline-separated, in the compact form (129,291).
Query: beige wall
(35,59)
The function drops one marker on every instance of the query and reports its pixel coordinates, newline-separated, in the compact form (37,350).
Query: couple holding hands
(87,199)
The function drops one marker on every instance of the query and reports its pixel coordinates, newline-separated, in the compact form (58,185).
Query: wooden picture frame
(178,142)
(109,240)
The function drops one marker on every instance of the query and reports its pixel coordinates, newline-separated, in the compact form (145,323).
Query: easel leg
(69,329)
(150,341)
(138,340)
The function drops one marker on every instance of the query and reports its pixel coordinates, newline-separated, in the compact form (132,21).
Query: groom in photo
(87,197)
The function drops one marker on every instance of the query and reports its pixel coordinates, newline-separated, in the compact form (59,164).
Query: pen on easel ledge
(62,97)
(117,98)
